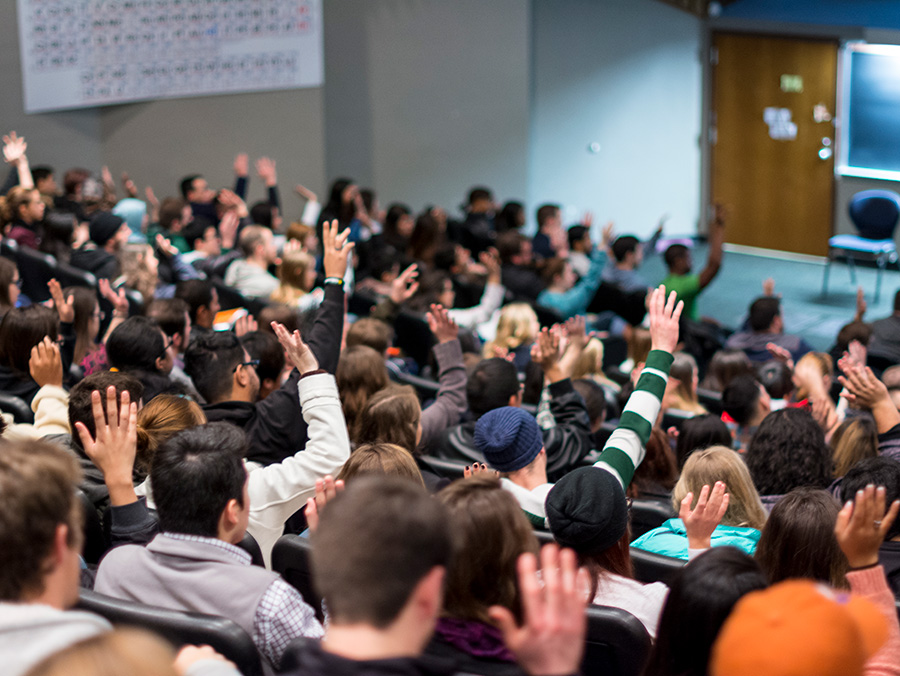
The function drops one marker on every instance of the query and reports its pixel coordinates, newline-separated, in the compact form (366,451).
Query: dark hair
(195,474)
(509,245)
(80,407)
(196,293)
(37,494)
(879,471)
(798,539)
(370,332)
(7,275)
(376,525)
(135,344)
(210,361)
(545,212)
(699,432)
(40,172)
(701,596)
(510,217)
(73,179)
(855,330)
(58,231)
(552,269)
(20,330)
(392,218)
(282,314)
(477,193)
(431,286)
(169,313)
(897,301)
(576,234)
(775,377)
(657,469)
(675,253)
(187,184)
(261,214)
(264,346)
(740,399)
(84,303)
(392,416)
(594,398)
(624,245)
(196,229)
(335,207)
(763,312)
(724,366)
(361,372)
(788,451)
(491,385)
(426,239)
(169,211)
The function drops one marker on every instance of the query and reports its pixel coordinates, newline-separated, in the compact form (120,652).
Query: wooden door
(773,140)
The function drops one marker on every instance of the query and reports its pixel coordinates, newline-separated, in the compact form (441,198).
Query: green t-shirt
(688,288)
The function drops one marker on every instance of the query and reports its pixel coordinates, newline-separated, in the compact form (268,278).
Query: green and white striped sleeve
(625,448)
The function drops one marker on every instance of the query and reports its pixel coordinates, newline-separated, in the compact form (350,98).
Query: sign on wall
(82,53)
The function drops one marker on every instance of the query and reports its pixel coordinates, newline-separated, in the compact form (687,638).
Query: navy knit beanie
(103,227)
(509,438)
(587,510)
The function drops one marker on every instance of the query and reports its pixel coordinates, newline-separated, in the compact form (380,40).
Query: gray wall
(625,74)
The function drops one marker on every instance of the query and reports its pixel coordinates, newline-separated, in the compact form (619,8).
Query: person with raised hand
(50,403)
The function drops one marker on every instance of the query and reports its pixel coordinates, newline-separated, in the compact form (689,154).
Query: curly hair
(789,451)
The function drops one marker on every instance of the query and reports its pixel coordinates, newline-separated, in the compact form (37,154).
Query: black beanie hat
(587,510)
(103,227)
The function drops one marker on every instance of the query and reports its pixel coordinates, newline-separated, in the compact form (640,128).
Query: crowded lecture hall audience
(366,440)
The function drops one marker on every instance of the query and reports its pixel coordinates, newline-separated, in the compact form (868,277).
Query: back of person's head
(590,361)
(724,366)
(789,451)
(509,438)
(855,330)
(84,302)
(587,511)
(297,270)
(594,399)
(8,272)
(197,229)
(196,293)
(518,325)
(718,463)
(854,440)
(20,330)
(370,332)
(210,361)
(136,344)
(553,269)
(37,496)
(195,474)
(509,245)
(261,214)
(171,314)
(80,407)
(170,210)
(699,432)
(264,346)
(375,542)
(164,416)
(740,399)
(490,532)
(763,312)
(658,470)
(391,415)
(58,234)
(251,237)
(639,345)
(380,459)
(576,234)
(878,471)
(822,363)
(806,630)
(798,539)
(73,180)
(545,212)
(701,596)
(361,372)
(511,216)
(491,385)
(131,652)
(684,370)
(776,378)
(280,313)
(425,238)
(479,193)
(624,245)
(674,254)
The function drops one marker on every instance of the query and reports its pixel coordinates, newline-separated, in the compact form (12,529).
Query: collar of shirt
(238,553)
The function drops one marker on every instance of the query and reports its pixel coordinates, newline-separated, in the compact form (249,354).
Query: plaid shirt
(281,616)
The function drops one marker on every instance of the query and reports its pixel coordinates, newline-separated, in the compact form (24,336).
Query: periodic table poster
(83,53)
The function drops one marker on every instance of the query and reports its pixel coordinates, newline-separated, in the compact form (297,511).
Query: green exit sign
(792,83)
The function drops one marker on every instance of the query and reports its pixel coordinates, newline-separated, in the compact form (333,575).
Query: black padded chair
(251,546)
(361,304)
(547,316)
(68,275)
(95,544)
(8,248)
(544,537)
(617,644)
(647,514)
(651,567)
(449,469)
(291,558)
(711,400)
(35,270)
(413,337)
(18,408)
(425,388)
(180,628)
(673,418)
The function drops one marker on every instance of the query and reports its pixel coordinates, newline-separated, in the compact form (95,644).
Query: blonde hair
(381,459)
(517,326)
(639,344)
(854,440)
(15,199)
(590,365)
(135,271)
(164,416)
(681,394)
(823,363)
(123,651)
(292,273)
(719,463)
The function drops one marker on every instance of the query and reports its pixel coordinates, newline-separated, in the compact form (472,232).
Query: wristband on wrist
(334,280)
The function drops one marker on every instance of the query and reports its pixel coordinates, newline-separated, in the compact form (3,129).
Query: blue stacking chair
(875,214)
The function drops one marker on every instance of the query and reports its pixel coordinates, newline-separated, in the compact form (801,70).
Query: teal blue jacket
(670,539)
(575,301)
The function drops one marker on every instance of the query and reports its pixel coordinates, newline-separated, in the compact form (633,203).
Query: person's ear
(241,379)
(60,544)
(160,362)
(428,595)
(516,400)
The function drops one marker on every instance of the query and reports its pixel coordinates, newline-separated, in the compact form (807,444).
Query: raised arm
(625,448)
(716,240)
(864,390)
(451,401)
(241,170)
(14,153)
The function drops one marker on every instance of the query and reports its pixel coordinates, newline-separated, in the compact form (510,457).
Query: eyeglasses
(18,283)
(166,348)
(253,362)
(100,314)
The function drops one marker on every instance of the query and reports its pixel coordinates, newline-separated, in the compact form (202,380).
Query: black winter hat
(587,510)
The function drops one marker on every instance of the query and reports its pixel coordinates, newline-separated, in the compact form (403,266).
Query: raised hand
(608,234)
(244,325)
(306,193)
(14,148)
(490,259)
(701,521)
(165,246)
(551,639)
(336,249)
(441,325)
(326,491)
(64,308)
(129,186)
(781,354)
(861,305)
(405,285)
(863,524)
(152,199)
(228,227)
(45,364)
(107,178)
(768,286)
(241,165)
(118,299)
(114,446)
(298,351)
(265,167)
(231,200)
(863,388)
(664,316)
(545,350)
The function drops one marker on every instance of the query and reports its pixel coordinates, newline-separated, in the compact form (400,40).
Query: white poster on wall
(82,53)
